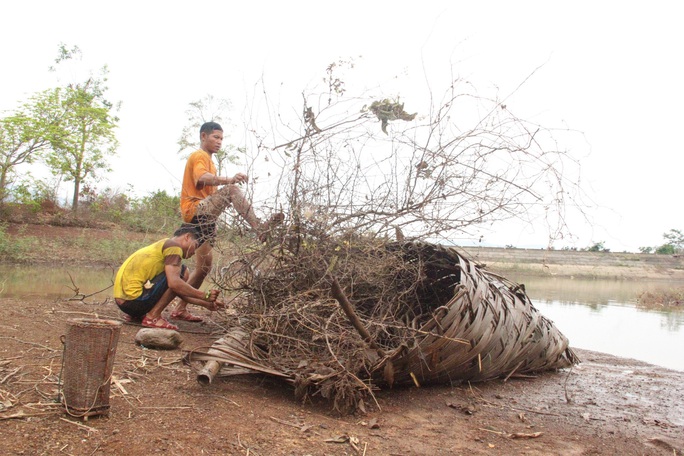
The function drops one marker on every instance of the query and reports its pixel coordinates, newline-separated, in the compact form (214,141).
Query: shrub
(665,249)
(156,212)
(598,247)
(37,196)
(668,298)
(13,250)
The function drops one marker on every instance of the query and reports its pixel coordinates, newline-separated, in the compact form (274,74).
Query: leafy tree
(27,133)
(86,136)
(675,238)
(674,243)
(205,110)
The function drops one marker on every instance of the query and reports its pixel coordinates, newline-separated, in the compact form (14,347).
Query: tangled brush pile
(342,318)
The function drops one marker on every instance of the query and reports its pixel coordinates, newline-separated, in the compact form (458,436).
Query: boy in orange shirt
(202,203)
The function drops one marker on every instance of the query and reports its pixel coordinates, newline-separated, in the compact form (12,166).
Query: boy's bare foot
(184,315)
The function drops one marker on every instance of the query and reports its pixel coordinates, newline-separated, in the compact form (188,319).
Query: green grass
(82,248)
(13,249)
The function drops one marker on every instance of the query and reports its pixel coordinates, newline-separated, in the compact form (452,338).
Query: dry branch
(339,295)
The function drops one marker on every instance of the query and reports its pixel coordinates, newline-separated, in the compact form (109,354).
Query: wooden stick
(28,343)
(287,423)
(341,298)
(87,428)
(21,414)
(513,371)
(119,385)
(179,407)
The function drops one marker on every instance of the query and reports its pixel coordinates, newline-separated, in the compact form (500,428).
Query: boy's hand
(212,295)
(213,302)
(240,178)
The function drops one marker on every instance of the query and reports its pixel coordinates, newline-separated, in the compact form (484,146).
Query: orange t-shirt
(192,192)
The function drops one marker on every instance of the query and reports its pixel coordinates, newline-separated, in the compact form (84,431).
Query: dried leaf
(339,439)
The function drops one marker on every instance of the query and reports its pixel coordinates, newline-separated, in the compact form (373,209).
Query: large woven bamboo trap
(342,322)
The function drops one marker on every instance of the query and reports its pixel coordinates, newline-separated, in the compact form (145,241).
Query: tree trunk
(77,189)
(3,184)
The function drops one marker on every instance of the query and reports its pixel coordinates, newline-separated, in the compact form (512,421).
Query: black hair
(208,127)
(189,228)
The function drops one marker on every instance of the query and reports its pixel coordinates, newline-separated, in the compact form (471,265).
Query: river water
(599,315)
(602,315)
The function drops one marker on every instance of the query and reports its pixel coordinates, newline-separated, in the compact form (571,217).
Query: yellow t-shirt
(141,266)
(192,193)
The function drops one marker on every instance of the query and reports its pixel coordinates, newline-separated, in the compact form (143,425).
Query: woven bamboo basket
(89,351)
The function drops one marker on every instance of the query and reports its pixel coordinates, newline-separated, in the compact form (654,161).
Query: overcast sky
(611,70)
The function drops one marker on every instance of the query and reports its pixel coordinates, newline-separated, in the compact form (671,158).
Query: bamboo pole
(206,375)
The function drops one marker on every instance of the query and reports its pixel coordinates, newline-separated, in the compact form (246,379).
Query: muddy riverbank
(604,406)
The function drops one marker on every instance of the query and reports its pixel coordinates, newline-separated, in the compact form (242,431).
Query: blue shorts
(138,307)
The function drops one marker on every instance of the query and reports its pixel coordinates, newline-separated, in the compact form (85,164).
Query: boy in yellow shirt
(152,277)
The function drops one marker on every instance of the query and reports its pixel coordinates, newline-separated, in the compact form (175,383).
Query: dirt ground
(606,405)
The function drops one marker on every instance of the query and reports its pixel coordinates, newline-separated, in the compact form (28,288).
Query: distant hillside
(571,263)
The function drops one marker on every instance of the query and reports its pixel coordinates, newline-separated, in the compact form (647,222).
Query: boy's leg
(203,260)
(133,311)
(156,311)
(148,312)
(211,208)
(215,204)
(153,318)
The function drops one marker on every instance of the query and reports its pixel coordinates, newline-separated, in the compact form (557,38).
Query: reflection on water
(54,282)
(601,315)
(588,291)
(654,337)
(597,315)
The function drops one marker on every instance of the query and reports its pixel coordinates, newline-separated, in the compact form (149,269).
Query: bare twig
(81,426)
(35,344)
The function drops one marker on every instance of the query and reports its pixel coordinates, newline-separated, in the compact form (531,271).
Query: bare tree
(368,164)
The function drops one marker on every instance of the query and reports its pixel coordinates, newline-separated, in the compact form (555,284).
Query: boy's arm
(185,291)
(213,180)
